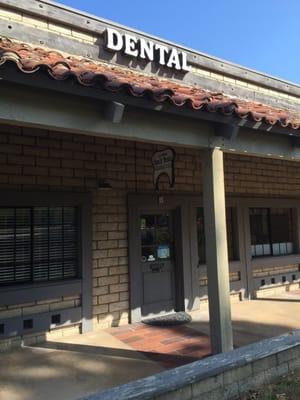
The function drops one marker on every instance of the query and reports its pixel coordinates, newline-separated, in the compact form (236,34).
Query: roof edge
(63,14)
(30,60)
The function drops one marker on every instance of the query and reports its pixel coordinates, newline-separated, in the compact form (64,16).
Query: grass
(285,388)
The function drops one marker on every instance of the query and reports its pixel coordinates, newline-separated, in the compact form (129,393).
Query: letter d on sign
(114,40)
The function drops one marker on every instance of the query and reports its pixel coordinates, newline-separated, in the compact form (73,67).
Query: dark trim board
(68,114)
(21,294)
(32,198)
(42,81)
(86,256)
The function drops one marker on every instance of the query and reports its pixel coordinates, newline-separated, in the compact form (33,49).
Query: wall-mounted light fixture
(103,185)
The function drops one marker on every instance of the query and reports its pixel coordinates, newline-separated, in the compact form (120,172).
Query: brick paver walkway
(170,346)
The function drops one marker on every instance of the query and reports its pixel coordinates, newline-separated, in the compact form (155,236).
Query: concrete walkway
(72,367)
(257,319)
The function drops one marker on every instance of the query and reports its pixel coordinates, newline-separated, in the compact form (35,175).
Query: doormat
(178,318)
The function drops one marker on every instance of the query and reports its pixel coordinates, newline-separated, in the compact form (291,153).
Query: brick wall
(257,176)
(44,24)
(38,306)
(32,159)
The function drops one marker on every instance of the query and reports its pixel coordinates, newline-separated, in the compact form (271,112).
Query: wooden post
(216,251)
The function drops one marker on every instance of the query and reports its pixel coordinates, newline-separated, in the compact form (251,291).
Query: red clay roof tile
(30,59)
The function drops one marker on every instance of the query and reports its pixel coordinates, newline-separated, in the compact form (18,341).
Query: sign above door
(163,164)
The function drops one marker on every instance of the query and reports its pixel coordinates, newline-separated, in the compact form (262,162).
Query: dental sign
(146,50)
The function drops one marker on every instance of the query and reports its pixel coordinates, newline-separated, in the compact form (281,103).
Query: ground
(70,368)
(285,388)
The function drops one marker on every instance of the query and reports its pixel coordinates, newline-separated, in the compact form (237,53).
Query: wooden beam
(38,107)
(10,73)
(45,109)
(114,112)
(216,251)
(295,141)
(227,131)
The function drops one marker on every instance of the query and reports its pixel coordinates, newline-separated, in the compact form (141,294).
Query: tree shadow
(70,370)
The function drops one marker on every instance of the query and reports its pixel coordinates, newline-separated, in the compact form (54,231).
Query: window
(232,236)
(38,244)
(155,237)
(271,231)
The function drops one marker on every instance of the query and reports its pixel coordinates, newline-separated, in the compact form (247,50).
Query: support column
(216,251)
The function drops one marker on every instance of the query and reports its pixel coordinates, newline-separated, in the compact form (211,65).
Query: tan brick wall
(33,159)
(270,271)
(46,25)
(127,167)
(257,176)
(22,310)
(38,337)
(276,290)
(37,306)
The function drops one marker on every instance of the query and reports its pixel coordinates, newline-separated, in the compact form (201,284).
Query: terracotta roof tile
(30,59)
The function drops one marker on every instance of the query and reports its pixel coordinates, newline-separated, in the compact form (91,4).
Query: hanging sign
(146,50)
(163,164)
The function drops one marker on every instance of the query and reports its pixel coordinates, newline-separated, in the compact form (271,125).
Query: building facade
(131,170)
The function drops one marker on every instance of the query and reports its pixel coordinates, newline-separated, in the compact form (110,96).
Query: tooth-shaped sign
(163,164)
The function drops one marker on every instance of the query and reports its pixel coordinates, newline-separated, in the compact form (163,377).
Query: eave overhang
(112,83)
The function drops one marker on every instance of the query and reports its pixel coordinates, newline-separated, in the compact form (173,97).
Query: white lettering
(174,60)
(184,65)
(162,51)
(130,45)
(146,50)
(114,40)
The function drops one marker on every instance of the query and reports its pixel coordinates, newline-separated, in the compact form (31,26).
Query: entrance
(157,263)
(163,277)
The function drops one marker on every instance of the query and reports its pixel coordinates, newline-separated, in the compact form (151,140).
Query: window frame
(246,263)
(32,291)
(294,227)
(232,214)
(238,266)
(31,225)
